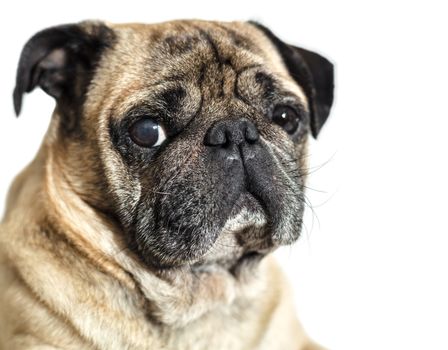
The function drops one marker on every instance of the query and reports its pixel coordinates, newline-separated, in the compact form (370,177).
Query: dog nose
(228,133)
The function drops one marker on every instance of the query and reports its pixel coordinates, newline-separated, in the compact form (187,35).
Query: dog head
(190,136)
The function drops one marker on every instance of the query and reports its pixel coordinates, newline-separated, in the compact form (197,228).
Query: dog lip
(247,201)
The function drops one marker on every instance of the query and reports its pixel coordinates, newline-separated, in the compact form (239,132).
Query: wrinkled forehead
(161,57)
(167,47)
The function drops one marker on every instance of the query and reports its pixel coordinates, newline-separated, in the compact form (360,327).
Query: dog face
(190,136)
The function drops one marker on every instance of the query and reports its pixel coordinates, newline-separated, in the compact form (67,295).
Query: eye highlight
(286,117)
(147,133)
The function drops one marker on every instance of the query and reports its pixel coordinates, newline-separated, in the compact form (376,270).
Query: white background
(370,271)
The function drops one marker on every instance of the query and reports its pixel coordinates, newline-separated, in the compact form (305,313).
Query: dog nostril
(224,133)
(216,137)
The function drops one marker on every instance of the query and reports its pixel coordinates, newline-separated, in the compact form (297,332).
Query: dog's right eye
(287,118)
(147,133)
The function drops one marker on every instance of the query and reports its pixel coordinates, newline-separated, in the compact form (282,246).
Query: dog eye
(287,118)
(147,133)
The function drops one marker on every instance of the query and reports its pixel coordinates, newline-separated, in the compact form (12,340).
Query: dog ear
(314,73)
(61,61)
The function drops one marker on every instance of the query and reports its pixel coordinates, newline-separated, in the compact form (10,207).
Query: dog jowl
(190,136)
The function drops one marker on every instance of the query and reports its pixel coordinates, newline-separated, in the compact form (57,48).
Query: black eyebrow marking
(267,84)
(172,99)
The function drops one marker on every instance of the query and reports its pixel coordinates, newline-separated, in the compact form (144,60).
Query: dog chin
(243,240)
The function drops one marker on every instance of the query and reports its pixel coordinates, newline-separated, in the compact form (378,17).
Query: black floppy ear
(61,61)
(314,73)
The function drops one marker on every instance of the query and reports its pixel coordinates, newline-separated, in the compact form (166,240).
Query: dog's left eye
(287,118)
(147,133)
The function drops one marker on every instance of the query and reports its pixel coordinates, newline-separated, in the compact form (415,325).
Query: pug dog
(174,164)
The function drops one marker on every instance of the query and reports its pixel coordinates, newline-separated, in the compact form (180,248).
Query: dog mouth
(249,204)
(242,240)
(246,224)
